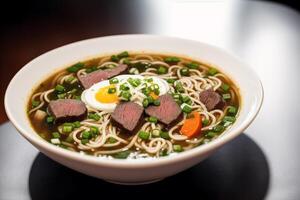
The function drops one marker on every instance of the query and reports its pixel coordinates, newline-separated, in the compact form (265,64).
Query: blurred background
(265,34)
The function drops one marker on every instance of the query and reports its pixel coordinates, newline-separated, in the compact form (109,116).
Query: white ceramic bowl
(131,171)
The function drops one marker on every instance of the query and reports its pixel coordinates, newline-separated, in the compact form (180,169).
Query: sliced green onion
(112,140)
(111,90)
(229,119)
(59,88)
(76,67)
(163,153)
(177,148)
(122,154)
(179,87)
(134,82)
(70,138)
(186,108)
(70,79)
(155,132)
(126,61)
(152,119)
(211,134)
(113,81)
(164,135)
(149,80)
(232,110)
(91,69)
(150,99)
(144,135)
(219,128)
(114,58)
(61,96)
(35,103)
(126,96)
(67,128)
(226,96)
(205,122)
(162,70)
(156,102)
(55,135)
(50,119)
(93,116)
(225,87)
(169,80)
(177,96)
(123,54)
(84,141)
(86,135)
(185,71)
(94,131)
(124,87)
(146,91)
(172,60)
(145,102)
(192,65)
(212,71)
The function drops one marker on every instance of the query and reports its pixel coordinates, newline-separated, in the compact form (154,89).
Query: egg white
(88,96)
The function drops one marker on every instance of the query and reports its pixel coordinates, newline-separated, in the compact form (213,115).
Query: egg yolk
(104,96)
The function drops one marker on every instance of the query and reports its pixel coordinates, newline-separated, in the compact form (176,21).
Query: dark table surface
(262,163)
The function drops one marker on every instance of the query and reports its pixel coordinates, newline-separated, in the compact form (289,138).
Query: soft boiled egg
(105,96)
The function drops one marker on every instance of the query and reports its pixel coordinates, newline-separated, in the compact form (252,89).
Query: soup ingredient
(128,116)
(67,110)
(74,68)
(212,71)
(167,112)
(94,77)
(192,125)
(212,100)
(40,115)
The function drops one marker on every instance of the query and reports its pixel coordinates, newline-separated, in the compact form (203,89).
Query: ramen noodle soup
(134,105)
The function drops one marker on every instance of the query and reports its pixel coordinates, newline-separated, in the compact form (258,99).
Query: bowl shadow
(239,170)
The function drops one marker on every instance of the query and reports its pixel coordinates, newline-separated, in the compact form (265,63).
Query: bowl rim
(135,163)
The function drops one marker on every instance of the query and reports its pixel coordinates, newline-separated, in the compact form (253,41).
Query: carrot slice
(153,95)
(192,125)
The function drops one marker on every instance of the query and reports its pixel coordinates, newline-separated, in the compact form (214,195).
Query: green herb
(59,88)
(192,65)
(67,128)
(93,116)
(114,58)
(56,135)
(76,124)
(112,90)
(179,87)
(229,119)
(122,154)
(123,54)
(212,71)
(186,109)
(113,81)
(91,69)
(171,81)
(49,119)
(185,71)
(35,103)
(205,122)
(86,135)
(211,134)
(172,60)
(162,70)
(177,148)
(76,67)
(219,128)
(112,140)
(225,87)
(145,102)
(156,102)
(126,96)
(164,135)
(144,135)
(226,96)
(232,110)
(152,119)
(84,141)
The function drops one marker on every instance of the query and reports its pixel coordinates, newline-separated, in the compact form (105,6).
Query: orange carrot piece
(153,95)
(192,125)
